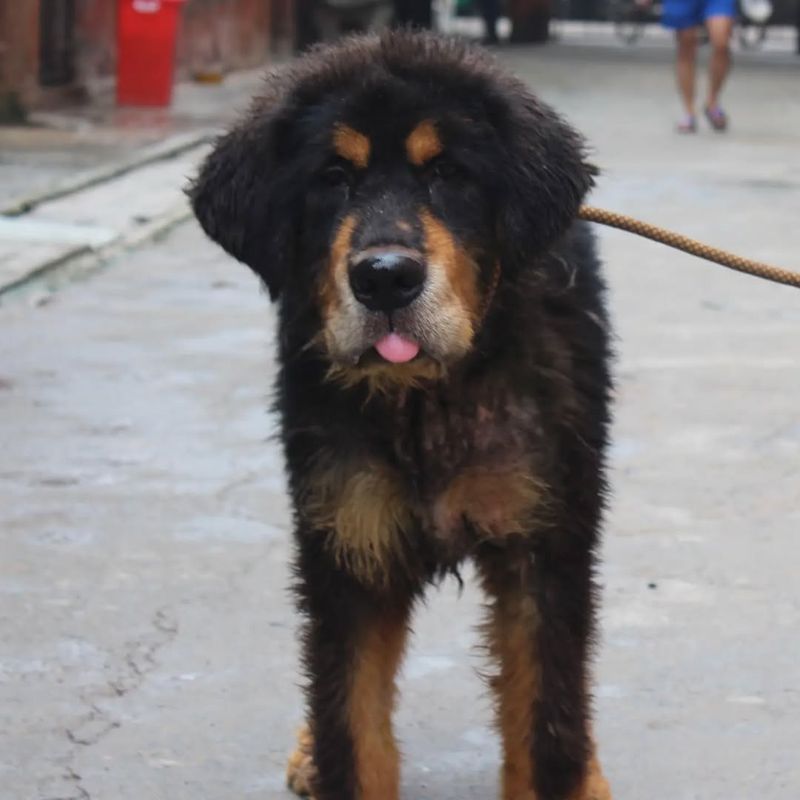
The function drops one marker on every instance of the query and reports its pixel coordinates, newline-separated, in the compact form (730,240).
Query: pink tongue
(396,348)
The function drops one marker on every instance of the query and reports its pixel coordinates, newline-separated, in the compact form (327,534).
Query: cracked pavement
(147,644)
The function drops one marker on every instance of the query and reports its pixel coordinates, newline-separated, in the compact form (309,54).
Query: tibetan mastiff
(443,386)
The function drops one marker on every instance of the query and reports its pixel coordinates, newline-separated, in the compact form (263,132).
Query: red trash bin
(146,34)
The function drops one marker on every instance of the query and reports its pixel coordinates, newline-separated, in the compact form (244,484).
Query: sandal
(688,124)
(717,118)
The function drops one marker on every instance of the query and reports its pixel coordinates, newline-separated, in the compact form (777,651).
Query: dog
(443,386)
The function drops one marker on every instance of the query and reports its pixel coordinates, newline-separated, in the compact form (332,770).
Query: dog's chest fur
(424,475)
(470,454)
(450,466)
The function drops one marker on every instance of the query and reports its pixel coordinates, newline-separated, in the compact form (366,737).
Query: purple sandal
(717,118)
(688,124)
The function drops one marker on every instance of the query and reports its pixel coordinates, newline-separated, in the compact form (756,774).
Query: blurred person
(327,20)
(413,13)
(490,11)
(686,18)
(797,23)
(530,20)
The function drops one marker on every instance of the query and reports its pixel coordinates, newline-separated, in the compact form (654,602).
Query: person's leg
(416,13)
(797,25)
(685,67)
(490,10)
(720,29)
(327,23)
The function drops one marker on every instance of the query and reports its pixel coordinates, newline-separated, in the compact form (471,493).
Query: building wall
(216,35)
(19,56)
(95,37)
(224,34)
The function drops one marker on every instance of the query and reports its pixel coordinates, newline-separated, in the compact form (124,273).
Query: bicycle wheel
(628,22)
(751,35)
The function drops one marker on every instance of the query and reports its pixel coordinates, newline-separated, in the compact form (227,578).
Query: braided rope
(681,242)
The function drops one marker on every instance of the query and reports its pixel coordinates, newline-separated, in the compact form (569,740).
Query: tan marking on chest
(365,513)
(496,502)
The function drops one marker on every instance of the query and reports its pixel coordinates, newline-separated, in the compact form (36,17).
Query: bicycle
(630,17)
(754,17)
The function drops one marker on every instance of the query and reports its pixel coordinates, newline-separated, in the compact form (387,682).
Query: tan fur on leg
(595,786)
(371,705)
(510,633)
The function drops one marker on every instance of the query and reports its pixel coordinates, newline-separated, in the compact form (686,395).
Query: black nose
(387,281)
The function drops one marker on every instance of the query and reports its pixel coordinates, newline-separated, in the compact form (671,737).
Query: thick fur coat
(443,386)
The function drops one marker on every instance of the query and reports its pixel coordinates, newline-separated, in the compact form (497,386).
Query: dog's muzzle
(387,280)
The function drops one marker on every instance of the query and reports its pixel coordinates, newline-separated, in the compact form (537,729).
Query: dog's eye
(443,169)
(335,176)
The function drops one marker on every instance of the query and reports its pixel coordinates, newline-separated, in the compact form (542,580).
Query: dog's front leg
(354,640)
(538,630)
(564,760)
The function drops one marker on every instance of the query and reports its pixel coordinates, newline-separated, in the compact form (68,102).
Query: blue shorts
(680,14)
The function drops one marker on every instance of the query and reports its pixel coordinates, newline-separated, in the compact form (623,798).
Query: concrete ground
(43,164)
(148,647)
(58,145)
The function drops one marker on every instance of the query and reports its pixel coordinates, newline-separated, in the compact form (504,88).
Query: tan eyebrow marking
(423,143)
(351,145)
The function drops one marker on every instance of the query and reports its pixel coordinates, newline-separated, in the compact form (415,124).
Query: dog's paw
(595,787)
(300,771)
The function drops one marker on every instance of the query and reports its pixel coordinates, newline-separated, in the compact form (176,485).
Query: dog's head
(385,183)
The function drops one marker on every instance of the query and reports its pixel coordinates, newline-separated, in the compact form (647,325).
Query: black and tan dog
(443,386)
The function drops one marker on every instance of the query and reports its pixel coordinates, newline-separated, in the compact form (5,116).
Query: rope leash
(681,242)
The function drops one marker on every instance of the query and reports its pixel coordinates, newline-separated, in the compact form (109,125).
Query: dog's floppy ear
(240,198)
(545,177)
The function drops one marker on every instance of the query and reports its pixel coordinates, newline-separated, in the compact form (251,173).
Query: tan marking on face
(404,226)
(423,143)
(497,502)
(443,318)
(329,288)
(351,145)
(371,702)
(341,314)
(460,275)
(364,512)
